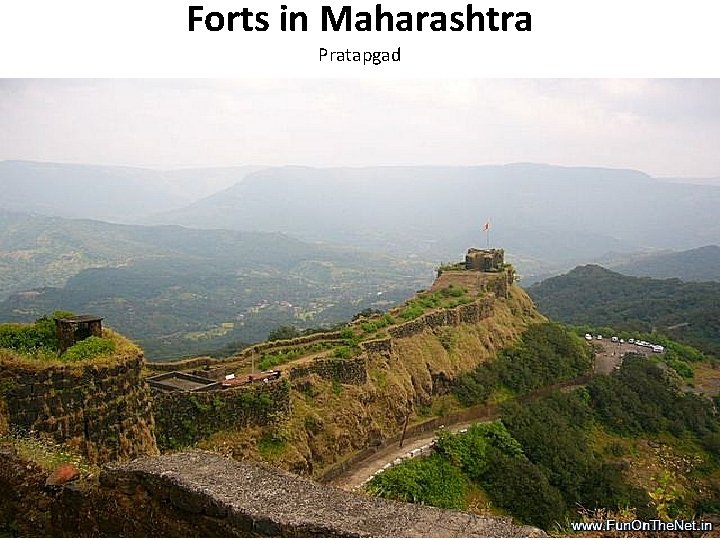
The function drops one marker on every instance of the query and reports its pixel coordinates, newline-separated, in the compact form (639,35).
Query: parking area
(608,354)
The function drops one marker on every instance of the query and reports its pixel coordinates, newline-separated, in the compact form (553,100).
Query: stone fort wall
(203,494)
(183,418)
(246,354)
(102,411)
(465,314)
(345,371)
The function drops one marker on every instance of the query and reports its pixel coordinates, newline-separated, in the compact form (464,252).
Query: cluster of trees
(642,399)
(554,435)
(486,456)
(646,397)
(547,353)
(541,461)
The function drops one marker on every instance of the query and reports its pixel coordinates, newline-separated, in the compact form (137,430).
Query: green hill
(179,291)
(688,312)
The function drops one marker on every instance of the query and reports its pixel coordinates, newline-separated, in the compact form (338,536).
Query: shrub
(344,352)
(347,333)
(271,445)
(369,327)
(412,311)
(468,450)
(34,339)
(91,347)
(432,480)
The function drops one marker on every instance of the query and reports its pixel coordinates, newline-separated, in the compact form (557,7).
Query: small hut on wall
(70,330)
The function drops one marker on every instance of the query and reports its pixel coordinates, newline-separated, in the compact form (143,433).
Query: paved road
(608,355)
(363,471)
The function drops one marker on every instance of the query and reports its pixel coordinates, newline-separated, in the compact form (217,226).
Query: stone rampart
(182,365)
(471,313)
(380,347)
(346,371)
(102,411)
(407,329)
(202,494)
(183,418)
(246,354)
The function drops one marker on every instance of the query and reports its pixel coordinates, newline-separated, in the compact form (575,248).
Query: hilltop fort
(312,405)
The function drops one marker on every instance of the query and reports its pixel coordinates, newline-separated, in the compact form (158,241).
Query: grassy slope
(330,420)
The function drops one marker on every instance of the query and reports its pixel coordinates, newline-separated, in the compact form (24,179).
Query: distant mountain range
(548,218)
(688,312)
(706,181)
(119,194)
(700,264)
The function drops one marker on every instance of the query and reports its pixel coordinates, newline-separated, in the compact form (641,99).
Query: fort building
(70,330)
(485,260)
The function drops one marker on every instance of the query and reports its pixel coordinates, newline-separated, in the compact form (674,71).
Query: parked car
(588,337)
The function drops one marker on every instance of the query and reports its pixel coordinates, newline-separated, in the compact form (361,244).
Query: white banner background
(150,38)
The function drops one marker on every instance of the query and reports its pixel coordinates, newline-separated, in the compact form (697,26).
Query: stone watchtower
(485,260)
(70,330)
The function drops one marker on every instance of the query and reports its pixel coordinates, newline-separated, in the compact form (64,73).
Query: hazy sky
(663,127)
